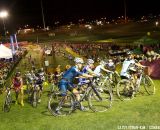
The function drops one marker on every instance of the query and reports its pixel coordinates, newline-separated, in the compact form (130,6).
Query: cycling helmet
(67,67)
(90,61)
(18,74)
(102,62)
(110,60)
(41,69)
(78,60)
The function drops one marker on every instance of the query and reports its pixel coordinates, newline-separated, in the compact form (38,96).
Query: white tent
(5,52)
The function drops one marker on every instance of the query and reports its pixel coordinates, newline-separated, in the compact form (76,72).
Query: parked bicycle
(8,100)
(34,95)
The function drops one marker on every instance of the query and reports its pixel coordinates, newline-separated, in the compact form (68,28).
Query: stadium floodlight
(3,15)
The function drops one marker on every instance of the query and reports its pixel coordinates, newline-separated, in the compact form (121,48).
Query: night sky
(29,11)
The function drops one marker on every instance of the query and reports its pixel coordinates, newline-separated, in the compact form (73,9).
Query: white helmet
(110,60)
(90,61)
(78,60)
(102,62)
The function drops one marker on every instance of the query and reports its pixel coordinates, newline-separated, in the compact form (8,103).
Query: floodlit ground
(121,33)
(143,110)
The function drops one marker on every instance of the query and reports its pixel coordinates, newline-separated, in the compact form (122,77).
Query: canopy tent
(146,41)
(5,52)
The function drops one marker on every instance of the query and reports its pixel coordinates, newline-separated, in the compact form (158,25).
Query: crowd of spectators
(7,65)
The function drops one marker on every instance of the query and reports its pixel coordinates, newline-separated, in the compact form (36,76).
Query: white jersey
(98,70)
(125,66)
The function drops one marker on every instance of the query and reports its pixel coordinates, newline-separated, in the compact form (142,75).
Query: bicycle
(110,80)
(127,88)
(8,100)
(99,100)
(34,95)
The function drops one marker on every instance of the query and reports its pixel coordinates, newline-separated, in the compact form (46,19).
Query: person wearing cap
(18,87)
(66,82)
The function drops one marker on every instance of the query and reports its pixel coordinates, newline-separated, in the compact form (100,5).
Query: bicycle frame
(8,100)
(139,80)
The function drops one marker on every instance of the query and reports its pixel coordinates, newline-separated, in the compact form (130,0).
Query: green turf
(140,111)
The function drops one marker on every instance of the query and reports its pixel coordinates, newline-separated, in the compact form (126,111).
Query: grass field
(143,110)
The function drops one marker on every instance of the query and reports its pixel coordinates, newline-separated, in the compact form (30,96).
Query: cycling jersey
(126,64)
(85,70)
(16,83)
(67,79)
(97,70)
(71,74)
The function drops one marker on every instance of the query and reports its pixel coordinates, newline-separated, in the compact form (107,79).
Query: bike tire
(55,102)
(99,100)
(149,85)
(125,89)
(7,104)
(34,99)
(116,79)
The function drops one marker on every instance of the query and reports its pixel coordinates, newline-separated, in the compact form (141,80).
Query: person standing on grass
(18,87)
(66,82)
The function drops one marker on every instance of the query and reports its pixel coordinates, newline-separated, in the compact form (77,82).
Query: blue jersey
(84,71)
(71,74)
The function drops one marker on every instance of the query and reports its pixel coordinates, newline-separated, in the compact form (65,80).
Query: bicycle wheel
(34,99)
(60,106)
(115,79)
(99,99)
(125,90)
(149,85)
(7,103)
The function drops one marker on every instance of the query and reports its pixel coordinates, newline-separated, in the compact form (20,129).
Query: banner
(153,68)
(12,45)
(15,37)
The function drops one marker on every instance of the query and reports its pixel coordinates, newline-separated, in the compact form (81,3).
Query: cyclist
(66,83)
(57,74)
(50,80)
(129,69)
(39,81)
(101,67)
(129,66)
(110,65)
(18,87)
(87,70)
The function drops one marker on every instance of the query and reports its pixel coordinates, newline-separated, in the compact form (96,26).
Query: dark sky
(29,11)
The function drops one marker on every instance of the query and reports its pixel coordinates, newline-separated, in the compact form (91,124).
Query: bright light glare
(3,14)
